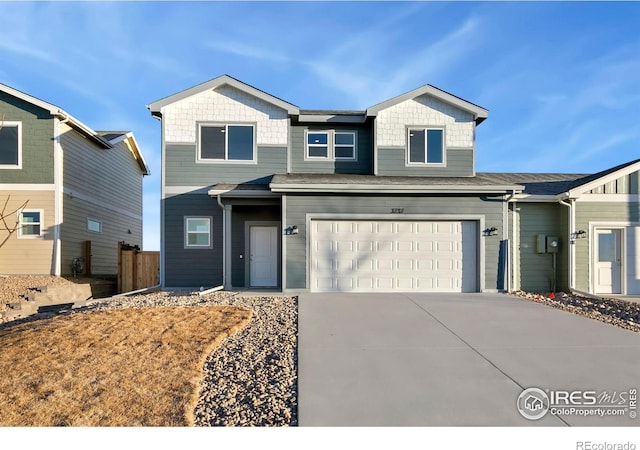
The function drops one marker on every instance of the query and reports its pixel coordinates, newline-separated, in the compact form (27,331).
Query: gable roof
(479,113)
(156,107)
(589,182)
(115,137)
(59,113)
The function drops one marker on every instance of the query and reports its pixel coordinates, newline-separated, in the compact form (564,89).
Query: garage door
(388,256)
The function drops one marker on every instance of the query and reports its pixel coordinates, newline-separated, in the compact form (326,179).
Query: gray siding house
(65,184)
(258,193)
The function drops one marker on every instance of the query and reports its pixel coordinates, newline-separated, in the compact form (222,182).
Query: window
(197,232)
(426,146)
(318,145)
(331,145)
(94,225)
(30,223)
(226,143)
(10,145)
(344,145)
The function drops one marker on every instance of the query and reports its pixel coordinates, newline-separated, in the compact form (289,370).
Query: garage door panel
(365,256)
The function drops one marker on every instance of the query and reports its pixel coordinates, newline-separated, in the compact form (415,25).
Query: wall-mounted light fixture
(580,234)
(493,231)
(291,230)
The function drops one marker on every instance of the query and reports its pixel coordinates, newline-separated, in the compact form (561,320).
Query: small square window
(197,232)
(30,223)
(426,146)
(94,225)
(10,145)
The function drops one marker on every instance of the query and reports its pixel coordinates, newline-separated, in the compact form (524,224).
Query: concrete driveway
(453,359)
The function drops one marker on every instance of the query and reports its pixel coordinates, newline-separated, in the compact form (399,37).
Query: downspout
(58,192)
(512,253)
(224,240)
(570,240)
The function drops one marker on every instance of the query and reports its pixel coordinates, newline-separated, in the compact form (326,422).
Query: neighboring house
(75,185)
(257,193)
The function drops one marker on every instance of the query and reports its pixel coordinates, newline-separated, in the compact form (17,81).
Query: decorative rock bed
(622,313)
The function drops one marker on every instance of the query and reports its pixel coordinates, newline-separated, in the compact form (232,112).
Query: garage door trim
(394,218)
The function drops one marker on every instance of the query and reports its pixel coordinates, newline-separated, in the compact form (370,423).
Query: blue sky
(561,80)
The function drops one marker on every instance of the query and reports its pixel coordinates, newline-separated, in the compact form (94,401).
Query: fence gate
(137,269)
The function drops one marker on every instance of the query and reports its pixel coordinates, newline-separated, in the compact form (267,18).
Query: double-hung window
(331,145)
(226,142)
(10,145)
(197,232)
(30,223)
(426,146)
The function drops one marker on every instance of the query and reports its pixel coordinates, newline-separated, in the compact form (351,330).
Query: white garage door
(387,256)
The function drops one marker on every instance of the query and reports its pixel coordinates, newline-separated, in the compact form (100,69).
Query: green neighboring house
(64,184)
(258,193)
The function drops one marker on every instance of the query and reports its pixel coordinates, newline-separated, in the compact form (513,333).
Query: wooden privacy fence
(137,269)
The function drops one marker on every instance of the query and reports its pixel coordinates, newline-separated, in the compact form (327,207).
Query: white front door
(608,261)
(263,261)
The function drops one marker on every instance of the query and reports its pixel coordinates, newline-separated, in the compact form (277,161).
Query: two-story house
(259,193)
(62,184)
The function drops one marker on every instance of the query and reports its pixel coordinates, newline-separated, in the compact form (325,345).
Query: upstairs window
(426,146)
(331,145)
(318,145)
(344,145)
(30,223)
(226,143)
(10,145)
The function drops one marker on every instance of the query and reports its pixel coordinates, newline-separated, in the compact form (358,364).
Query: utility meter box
(553,243)
(541,243)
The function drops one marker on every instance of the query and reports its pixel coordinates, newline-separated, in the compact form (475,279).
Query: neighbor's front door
(608,261)
(264,256)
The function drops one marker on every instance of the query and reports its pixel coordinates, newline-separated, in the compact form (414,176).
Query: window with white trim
(331,145)
(425,146)
(10,145)
(94,225)
(30,223)
(197,232)
(228,142)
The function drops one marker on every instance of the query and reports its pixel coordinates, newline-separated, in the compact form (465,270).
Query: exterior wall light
(291,230)
(580,234)
(493,231)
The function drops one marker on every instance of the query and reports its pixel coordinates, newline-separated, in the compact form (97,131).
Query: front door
(263,260)
(608,261)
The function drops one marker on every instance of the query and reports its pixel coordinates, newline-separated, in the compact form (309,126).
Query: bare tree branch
(4,215)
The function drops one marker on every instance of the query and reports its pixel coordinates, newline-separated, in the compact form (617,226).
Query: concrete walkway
(451,359)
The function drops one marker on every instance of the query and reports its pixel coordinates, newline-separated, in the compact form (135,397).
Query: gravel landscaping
(251,379)
(622,313)
(15,288)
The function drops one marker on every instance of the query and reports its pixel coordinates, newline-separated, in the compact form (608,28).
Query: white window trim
(200,160)
(41,223)
(425,129)
(186,232)
(19,126)
(99,222)
(331,145)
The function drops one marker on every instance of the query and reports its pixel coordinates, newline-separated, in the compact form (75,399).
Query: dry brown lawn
(124,367)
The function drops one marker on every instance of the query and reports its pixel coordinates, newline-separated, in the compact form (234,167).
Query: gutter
(512,254)
(391,189)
